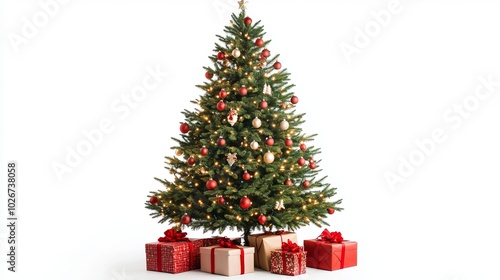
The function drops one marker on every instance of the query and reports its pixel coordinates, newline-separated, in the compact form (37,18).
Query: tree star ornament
(242,4)
(232,158)
(279,205)
(232,117)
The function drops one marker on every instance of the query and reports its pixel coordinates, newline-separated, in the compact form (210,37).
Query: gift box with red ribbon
(331,252)
(266,242)
(290,260)
(227,259)
(174,253)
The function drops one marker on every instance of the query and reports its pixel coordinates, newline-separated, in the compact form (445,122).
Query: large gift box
(265,243)
(330,252)
(289,260)
(227,259)
(174,253)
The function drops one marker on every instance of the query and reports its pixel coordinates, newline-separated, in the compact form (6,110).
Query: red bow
(173,235)
(290,247)
(227,243)
(332,237)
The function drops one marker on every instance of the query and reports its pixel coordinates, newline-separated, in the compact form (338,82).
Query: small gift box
(173,253)
(227,259)
(265,243)
(290,260)
(330,251)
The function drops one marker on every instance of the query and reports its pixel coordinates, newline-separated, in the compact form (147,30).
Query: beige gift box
(227,261)
(264,243)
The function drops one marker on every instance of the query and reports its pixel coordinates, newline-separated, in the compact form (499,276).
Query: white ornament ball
(256,122)
(284,125)
(254,145)
(268,157)
(236,53)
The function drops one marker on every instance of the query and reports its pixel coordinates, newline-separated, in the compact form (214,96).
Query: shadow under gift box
(331,256)
(227,261)
(264,243)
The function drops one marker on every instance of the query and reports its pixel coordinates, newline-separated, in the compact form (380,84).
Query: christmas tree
(241,162)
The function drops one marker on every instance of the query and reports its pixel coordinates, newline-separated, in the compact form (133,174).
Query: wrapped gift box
(174,257)
(331,256)
(288,263)
(227,261)
(265,243)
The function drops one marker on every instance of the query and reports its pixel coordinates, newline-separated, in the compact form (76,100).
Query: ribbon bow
(227,243)
(278,232)
(332,237)
(290,247)
(173,235)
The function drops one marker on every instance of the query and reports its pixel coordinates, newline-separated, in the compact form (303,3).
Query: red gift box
(174,253)
(290,260)
(331,253)
(173,257)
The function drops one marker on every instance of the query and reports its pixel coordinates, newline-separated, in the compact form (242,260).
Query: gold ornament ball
(284,125)
(178,153)
(254,145)
(256,122)
(236,53)
(268,157)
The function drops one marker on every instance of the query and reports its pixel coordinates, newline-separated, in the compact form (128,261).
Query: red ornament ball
(246,176)
(294,100)
(191,161)
(211,184)
(243,90)
(263,104)
(330,211)
(209,75)
(288,182)
(288,142)
(312,165)
(247,21)
(203,151)
(266,53)
(270,141)
(185,219)
(259,42)
(221,106)
(262,219)
(245,202)
(277,65)
(306,184)
(221,142)
(222,94)
(303,147)
(301,161)
(221,56)
(221,200)
(153,200)
(184,128)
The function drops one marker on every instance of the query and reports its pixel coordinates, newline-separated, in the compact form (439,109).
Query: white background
(440,223)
